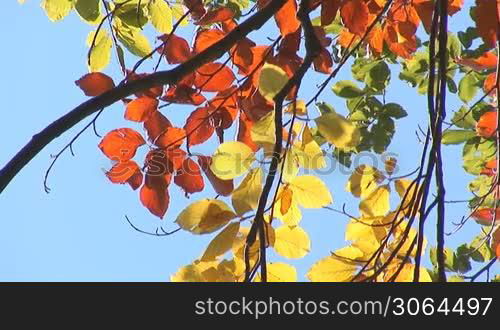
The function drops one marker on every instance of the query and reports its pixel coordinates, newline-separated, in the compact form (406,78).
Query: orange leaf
(355,16)
(176,49)
(183,94)
(218,15)
(153,92)
(221,187)
(487,124)
(486,61)
(195,7)
(121,144)
(323,63)
(206,38)
(286,200)
(156,125)
(490,83)
(173,137)
(198,126)
(286,18)
(94,84)
(140,109)
(487,13)
(490,168)
(244,132)
(376,40)
(486,216)
(329,9)
(122,172)
(189,178)
(424,9)
(154,195)
(213,77)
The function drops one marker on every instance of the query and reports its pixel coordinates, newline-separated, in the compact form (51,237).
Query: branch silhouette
(168,77)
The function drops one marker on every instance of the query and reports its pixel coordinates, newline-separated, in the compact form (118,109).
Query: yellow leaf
(337,267)
(312,156)
(310,192)
(338,131)
(246,197)
(56,10)
(205,216)
(189,273)
(399,236)
(292,216)
(279,272)
(299,106)
(232,159)
(366,237)
(408,191)
(100,53)
(160,15)
(272,79)
(178,13)
(291,242)
(291,167)
(406,274)
(376,203)
(132,38)
(89,10)
(363,181)
(222,242)
(263,131)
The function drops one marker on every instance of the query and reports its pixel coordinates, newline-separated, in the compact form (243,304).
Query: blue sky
(78,232)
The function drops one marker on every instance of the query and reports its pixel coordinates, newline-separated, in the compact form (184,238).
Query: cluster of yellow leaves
(378,231)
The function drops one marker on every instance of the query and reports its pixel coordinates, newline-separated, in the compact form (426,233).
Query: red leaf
(490,168)
(189,177)
(206,38)
(286,18)
(355,16)
(218,15)
(376,40)
(486,61)
(140,109)
(486,216)
(153,92)
(183,94)
(487,13)
(221,187)
(156,125)
(94,84)
(173,137)
(244,132)
(195,7)
(125,172)
(121,144)
(487,124)
(329,9)
(176,49)
(198,126)
(323,63)
(154,195)
(490,83)
(213,77)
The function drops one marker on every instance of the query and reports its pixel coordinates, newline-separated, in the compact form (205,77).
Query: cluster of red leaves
(221,100)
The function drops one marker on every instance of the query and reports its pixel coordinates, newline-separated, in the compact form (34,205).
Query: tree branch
(169,77)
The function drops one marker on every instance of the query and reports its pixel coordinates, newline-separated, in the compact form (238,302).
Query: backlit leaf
(376,203)
(310,192)
(232,159)
(338,131)
(272,80)
(205,216)
(291,242)
(95,84)
(246,197)
(222,242)
(160,15)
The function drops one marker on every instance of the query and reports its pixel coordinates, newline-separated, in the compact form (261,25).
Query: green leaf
(324,108)
(100,53)
(457,136)
(89,10)
(463,118)
(132,39)
(160,15)
(132,13)
(476,152)
(449,258)
(461,263)
(467,87)
(272,79)
(394,110)
(377,78)
(382,132)
(347,89)
(480,249)
(343,157)
(56,10)
(467,37)
(454,47)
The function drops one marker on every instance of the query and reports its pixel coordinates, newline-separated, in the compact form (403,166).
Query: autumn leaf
(140,109)
(272,80)
(199,127)
(126,172)
(221,187)
(339,267)
(279,272)
(222,242)
(231,159)
(213,77)
(486,17)
(206,38)
(154,195)
(205,216)
(363,181)
(121,144)
(310,192)
(291,242)
(246,197)
(338,131)
(487,124)
(286,18)
(376,203)
(218,15)
(189,178)
(95,83)
(176,49)
(354,14)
